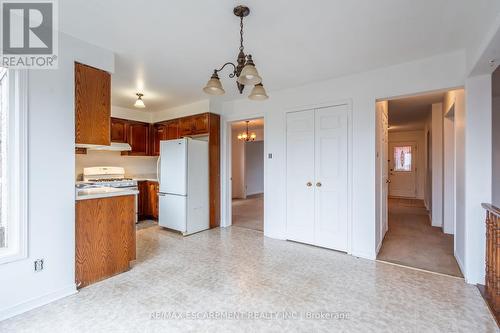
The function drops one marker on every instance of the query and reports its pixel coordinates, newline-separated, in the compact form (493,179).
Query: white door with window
(317,185)
(402,169)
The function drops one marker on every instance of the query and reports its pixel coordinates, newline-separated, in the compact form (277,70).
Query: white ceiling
(169,48)
(410,113)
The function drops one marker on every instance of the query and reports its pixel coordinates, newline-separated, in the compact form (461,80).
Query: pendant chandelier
(246,136)
(244,71)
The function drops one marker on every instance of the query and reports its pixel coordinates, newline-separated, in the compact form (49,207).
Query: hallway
(412,241)
(249,213)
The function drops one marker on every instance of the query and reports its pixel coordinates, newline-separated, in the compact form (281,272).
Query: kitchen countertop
(104,192)
(146,177)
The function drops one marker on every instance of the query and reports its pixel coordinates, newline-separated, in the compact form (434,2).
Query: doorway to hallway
(415,181)
(247,174)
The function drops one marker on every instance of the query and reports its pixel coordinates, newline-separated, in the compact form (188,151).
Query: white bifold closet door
(317,177)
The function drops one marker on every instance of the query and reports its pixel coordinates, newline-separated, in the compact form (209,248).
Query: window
(402,159)
(13,165)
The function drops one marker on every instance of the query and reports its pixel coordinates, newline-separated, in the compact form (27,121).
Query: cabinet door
(92,105)
(153,199)
(186,126)
(172,130)
(142,199)
(138,138)
(200,124)
(159,133)
(300,176)
(119,129)
(331,188)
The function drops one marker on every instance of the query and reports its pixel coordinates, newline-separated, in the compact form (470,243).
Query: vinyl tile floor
(249,213)
(412,241)
(236,280)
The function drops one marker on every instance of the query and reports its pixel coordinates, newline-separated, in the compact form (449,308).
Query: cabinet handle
(309,184)
(318,184)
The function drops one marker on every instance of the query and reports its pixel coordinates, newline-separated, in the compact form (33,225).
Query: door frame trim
(348,103)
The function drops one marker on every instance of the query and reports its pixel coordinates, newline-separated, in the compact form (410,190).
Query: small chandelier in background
(139,103)
(245,71)
(246,136)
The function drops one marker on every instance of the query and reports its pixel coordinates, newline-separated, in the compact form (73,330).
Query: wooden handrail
(492,209)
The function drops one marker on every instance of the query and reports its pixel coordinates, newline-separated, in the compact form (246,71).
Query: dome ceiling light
(139,103)
(245,70)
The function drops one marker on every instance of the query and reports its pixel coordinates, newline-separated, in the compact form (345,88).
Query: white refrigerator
(183,177)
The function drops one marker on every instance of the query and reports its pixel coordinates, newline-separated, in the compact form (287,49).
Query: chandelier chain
(241,34)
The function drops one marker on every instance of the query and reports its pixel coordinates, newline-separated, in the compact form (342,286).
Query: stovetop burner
(103,180)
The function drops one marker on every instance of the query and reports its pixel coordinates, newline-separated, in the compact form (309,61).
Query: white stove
(105,177)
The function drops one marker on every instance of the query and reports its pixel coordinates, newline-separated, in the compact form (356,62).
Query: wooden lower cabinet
(104,237)
(148,200)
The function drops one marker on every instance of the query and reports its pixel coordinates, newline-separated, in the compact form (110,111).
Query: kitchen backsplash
(134,165)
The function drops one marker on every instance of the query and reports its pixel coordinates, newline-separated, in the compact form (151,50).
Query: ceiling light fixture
(139,103)
(246,136)
(245,72)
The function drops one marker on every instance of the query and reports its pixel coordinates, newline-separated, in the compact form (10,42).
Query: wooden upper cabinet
(172,130)
(92,105)
(138,138)
(194,125)
(159,132)
(200,124)
(119,129)
(186,126)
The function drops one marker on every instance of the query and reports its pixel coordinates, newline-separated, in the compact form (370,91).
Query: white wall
(254,167)
(238,166)
(132,114)
(134,165)
(181,111)
(477,172)
(51,168)
(460,119)
(449,175)
(437,165)
(362,90)
(419,138)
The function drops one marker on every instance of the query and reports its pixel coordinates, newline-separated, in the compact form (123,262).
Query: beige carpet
(249,213)
(412,241)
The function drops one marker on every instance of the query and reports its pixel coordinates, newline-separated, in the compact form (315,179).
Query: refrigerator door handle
(158,169)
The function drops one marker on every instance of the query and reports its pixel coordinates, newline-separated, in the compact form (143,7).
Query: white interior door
(402,166)
(300,176)
(331,176)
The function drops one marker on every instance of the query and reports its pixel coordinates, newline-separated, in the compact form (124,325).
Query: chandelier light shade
(139,103)
(214,87)
(247,136)
(258,93)
(244,70)
(249,75)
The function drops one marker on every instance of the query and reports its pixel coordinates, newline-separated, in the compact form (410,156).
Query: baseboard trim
(37,302)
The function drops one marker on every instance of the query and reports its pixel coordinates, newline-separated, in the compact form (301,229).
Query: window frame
(17,160)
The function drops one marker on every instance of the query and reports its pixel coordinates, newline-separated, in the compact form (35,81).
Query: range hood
(115,146)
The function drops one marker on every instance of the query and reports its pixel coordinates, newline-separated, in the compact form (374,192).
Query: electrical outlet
(38,265)
(270,155)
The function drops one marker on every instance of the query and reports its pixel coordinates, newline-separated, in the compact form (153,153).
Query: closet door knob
(309,184)
(318,184)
